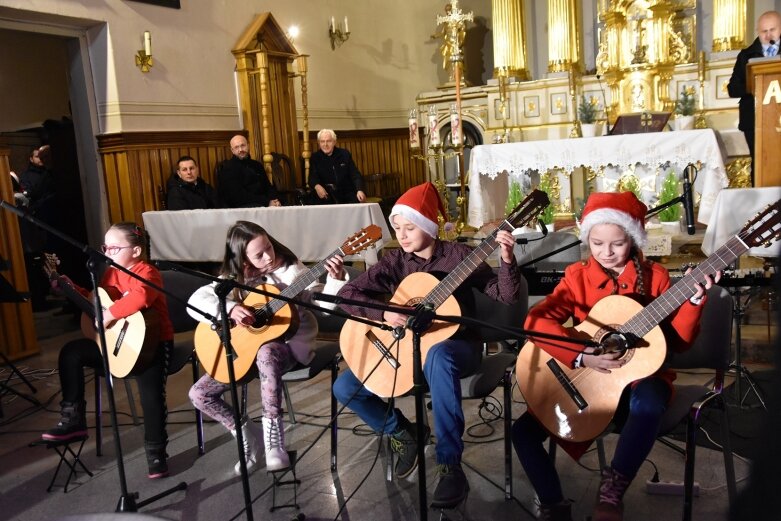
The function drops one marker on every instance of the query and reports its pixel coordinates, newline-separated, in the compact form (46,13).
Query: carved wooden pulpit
(764,80)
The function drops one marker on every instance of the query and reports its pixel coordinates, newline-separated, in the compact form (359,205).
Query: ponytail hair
(134,234)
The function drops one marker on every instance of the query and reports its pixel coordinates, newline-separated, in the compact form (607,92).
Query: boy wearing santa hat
(414,221)
(613,227)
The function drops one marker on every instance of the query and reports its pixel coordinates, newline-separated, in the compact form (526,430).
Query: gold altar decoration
(640,42)
(306,154)
(509,42)
(264,56)
(729,25)
(452,31)
(564,38)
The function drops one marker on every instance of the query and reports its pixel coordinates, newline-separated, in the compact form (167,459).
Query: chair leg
(131,401)
(508,455)
(729,463)
(198,414)
(601,453)
(289,404)
(334,426)
(98,418)
(688,475)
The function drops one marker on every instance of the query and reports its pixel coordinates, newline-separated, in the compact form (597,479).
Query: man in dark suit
(333,174)
(187,191)
(766,44)
(242,182)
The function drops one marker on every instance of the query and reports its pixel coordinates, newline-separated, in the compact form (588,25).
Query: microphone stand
(127,500)
(420,319)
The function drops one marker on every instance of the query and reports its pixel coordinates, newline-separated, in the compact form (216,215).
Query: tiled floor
(213,493)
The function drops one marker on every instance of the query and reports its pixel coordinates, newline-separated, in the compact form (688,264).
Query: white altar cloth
(732,210)
(490,166)
(311,232)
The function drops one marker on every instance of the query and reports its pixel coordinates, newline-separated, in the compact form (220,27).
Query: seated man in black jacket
(187,191)
(333,173)
(242,182)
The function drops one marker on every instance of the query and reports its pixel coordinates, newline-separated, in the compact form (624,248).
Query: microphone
(688,200)
(604,99)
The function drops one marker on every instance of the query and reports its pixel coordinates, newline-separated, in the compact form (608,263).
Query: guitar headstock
(763,228)
(362,240)
(528,209)
(50,263)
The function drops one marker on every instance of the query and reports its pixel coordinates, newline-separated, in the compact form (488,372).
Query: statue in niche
(637,97)
(679,51)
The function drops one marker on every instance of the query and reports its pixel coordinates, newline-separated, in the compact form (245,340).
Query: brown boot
(609,506)
(558,512)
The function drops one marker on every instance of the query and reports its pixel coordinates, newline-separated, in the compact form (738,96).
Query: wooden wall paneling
(17,328)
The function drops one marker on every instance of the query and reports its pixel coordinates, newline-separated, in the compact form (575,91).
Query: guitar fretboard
(666,303)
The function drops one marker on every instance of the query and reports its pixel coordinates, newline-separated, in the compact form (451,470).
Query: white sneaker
(274,434)
(253,444)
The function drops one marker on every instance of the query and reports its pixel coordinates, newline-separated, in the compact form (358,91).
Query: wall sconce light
(338,35)
(144,56)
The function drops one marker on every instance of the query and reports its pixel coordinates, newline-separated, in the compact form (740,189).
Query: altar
(311,232)
(608,161)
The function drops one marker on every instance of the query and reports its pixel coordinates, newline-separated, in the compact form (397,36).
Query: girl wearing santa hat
(613,227)
(414,220)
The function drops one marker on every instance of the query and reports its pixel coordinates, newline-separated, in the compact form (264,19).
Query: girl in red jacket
(613,227)
(125,244)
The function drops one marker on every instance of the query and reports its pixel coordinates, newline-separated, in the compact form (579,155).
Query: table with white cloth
(311,232)
(732,210)
(648,157)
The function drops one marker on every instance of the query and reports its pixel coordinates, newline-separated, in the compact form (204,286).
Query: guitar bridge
(567,384)
(384,351)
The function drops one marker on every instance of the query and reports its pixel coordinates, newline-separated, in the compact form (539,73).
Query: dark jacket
(339,171)
(243,183)
(39,187)
(737,85)
(190,196)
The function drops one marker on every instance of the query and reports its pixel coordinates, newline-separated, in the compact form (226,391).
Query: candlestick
(414,137)
(333,24)
(147,43)
(346,29)
(433,127)
(455,125)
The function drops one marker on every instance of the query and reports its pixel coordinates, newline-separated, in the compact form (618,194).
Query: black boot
(156,458)
(452,488)
(559,512)
(72,423)
(404,443)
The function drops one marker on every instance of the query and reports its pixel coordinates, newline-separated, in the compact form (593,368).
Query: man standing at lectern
(766,44)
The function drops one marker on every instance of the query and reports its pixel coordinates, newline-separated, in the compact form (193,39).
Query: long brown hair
(241,234)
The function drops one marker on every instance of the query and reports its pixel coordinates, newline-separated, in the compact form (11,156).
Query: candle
(455,125)
(332,24)
(345,25)
(147,43)
(433,127)
(414,137)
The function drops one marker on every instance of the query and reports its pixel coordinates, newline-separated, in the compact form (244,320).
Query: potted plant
(670,216)
(588,110)
(684,109)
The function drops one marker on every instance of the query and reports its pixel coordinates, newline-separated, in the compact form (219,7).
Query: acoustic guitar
(384,362)
(578,404)
(131,342)
(273,316)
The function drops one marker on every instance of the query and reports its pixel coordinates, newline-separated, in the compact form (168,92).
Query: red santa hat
(420,205)
(621,208)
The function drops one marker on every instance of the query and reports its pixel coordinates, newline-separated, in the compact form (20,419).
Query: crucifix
(646,121)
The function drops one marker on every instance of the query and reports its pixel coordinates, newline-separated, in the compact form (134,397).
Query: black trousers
(81,353)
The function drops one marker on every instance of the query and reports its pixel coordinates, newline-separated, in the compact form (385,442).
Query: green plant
(684,105)
(547,214)
(630,183)
(514,196)
(669,192)
(588,109)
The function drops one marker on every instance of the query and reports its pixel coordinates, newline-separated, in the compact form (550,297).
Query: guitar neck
(666,303)
(300,284)
(466,267)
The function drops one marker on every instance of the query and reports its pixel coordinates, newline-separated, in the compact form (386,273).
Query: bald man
(333,174)
(242,182)
(766,44)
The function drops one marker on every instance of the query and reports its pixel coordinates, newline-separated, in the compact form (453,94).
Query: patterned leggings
(274,360)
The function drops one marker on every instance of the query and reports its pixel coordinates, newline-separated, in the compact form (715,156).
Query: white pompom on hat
(620,208)
(420,205)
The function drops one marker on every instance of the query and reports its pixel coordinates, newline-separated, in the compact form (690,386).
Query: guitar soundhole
(610,329)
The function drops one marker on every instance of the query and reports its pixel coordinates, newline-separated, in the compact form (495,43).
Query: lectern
(763,79)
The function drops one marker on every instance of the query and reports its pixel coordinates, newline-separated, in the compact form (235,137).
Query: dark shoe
(609,505)
(558,512)
(72,423)
(156,459)
(452,488)
(404,443)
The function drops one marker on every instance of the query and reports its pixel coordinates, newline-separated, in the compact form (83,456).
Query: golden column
(729,25)
(509,41)
(564,35)
(306,154)
(264,112)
